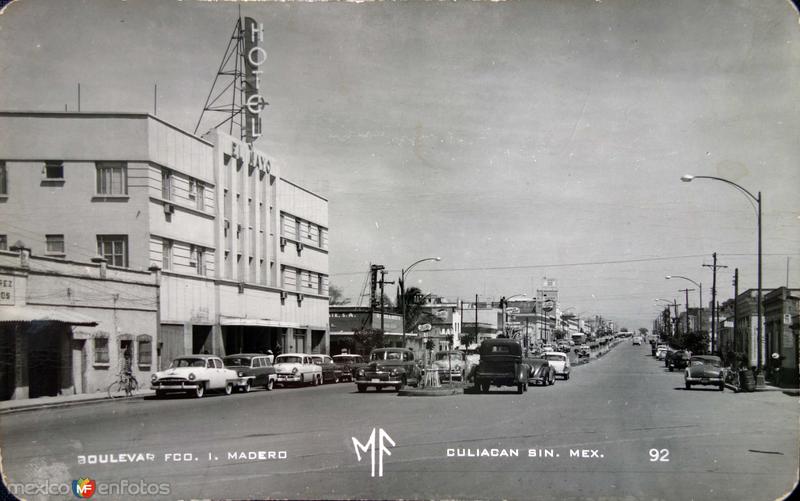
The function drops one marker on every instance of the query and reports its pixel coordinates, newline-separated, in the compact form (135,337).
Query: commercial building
(243,250)
(781,308)
(65,326)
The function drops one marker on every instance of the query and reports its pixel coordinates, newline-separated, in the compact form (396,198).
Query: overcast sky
(516,140)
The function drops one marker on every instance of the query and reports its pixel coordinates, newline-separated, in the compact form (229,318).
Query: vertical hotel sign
(254,57)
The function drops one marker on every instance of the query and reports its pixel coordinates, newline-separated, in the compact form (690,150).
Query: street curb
(438,392)
(55,405)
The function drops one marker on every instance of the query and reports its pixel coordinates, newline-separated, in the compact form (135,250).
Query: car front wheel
(485,387)
(721,386)
(270,384)
(246,387)
(200,390)
(688,385)
(229,388)
(361,388)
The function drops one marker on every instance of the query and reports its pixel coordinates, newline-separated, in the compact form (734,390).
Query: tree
(415,313)
(336,295)
(368,339)
(643,331)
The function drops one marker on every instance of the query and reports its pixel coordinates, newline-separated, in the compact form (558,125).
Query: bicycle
(126,384)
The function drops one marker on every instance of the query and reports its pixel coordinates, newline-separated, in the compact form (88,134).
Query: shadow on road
(709,388)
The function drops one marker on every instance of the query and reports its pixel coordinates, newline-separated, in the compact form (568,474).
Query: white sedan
(560,362)
(194,374)
(297,368)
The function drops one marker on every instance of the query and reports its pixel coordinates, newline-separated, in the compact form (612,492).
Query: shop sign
(6,289)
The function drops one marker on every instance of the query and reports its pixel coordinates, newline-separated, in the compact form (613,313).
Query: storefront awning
(15,314)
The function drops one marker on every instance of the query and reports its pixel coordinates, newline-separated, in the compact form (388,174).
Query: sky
(516,140)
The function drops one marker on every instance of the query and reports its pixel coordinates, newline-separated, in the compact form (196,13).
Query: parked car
(347,363)
(661,351)
(668,356)
(541,372)
(194,374)
(679,360)
(388,367)
(705,370)
(330,374)
(450,362)
(546,348)
(297,368)
(501,364)
(559,362)
(253,369)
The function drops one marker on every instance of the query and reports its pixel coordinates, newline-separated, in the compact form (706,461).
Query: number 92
(661,455)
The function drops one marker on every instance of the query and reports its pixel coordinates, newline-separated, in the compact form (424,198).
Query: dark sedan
(679,360)
(347,363)
(253,369)
(705,370)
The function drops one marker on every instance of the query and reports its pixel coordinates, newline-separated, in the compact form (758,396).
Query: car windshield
(188,362)
(452,356)
(553,356)
(386,355)
(237,361)
(288,359)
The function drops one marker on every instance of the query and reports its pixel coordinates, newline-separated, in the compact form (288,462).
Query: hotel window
(112,178)
(3,179)
(54,170)
(114,248)
(3,242)
(166,254)
(145,351)
(321,237)
(101,350)
(197,258)
(201,196)
(166,184)
(54,245)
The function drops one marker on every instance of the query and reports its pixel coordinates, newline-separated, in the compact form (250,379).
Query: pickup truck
(501,364)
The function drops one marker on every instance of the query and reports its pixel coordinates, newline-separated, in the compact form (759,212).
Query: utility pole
(476,319)
(686,291)
(736,310)
(383,282)
(714,326)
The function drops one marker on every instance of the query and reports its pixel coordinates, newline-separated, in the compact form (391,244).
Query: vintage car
(453,363)
(330,374)
(559,362)
(253,369)
(661,351)
(541,372)
(346,363)
(679,360)
(705,370)
(501,365)
(388,367)
(194,374)
(297,368)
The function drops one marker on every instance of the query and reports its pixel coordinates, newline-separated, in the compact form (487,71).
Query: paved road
(721,445)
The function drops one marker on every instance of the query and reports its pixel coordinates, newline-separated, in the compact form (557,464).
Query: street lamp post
(688,178)
(702,310)
(403,274)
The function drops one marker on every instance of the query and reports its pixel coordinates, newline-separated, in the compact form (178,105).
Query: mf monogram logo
(383,439)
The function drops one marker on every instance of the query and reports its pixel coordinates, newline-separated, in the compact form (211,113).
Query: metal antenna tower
(227,95)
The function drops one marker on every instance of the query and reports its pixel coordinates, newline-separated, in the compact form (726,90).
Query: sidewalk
(9,406)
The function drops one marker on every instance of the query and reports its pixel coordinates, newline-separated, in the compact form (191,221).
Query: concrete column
(217,346)
(21,381)
(308,340)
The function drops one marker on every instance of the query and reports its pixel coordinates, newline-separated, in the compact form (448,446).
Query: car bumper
(705,380)
(378,382)
(282,378)
(175,386)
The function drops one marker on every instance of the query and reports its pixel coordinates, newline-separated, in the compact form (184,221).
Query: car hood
(443,364)
(287,367)
(180,372)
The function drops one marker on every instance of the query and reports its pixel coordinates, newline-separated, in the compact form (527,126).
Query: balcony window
(114,248)
(166,184)
(112,178)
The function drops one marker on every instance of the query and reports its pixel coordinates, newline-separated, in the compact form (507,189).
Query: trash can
(747,380)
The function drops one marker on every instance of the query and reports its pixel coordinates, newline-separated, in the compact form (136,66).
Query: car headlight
(240,374)
(153,378)
(294,371)
(360,372)
(192,376)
